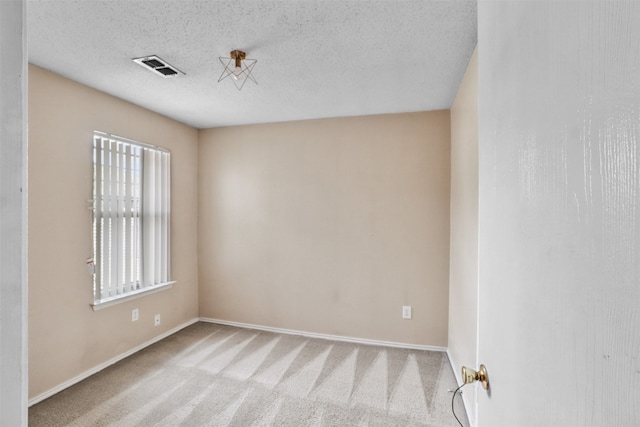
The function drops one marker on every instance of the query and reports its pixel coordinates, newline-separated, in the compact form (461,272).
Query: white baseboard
(457,372)
(108,363)
(325,336)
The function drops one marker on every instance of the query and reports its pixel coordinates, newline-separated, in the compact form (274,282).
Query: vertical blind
(131,195)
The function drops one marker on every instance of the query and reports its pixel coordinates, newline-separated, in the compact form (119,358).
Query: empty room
(319,213)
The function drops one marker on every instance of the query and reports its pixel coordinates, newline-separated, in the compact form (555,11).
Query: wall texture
(463,269)
(66,337)
(328,226)
(559,204)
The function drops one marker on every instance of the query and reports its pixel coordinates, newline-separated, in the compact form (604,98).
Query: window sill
(108,302)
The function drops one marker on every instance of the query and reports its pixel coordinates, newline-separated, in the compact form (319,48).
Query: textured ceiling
(316,59)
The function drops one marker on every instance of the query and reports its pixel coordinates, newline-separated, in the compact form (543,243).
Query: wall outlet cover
(406,312)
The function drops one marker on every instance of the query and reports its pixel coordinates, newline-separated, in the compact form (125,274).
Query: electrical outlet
(156,320)
(406,312)
(134,315)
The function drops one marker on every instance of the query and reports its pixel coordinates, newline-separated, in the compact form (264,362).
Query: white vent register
(158,66)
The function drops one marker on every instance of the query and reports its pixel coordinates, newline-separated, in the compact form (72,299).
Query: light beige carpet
(214,375)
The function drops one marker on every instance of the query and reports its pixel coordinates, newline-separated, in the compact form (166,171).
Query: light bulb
(237,72)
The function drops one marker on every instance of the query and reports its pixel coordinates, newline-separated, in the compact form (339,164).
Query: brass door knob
(469,376)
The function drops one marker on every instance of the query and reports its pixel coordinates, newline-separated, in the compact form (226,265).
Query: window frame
(137,204)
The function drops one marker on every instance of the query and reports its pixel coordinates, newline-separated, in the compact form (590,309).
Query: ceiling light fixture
(238,67)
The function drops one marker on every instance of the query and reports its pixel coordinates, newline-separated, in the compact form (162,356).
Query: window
(131,218)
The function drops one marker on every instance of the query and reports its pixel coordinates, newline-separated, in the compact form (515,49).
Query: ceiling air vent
(158,66)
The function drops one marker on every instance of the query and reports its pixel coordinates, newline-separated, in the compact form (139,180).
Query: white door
(13,214)
(559,212)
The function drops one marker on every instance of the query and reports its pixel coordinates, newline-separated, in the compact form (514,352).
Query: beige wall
(66,337)
(328,226)
(463,273)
